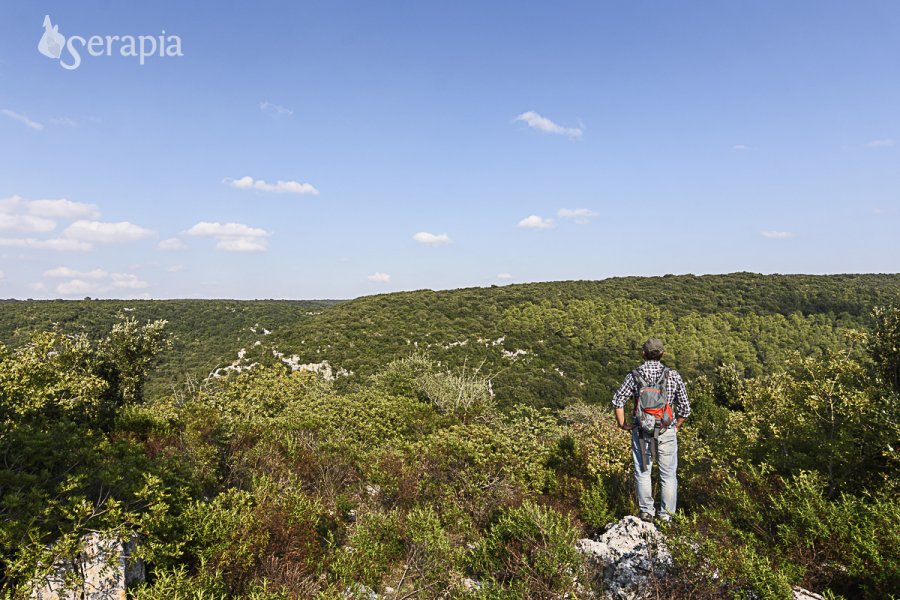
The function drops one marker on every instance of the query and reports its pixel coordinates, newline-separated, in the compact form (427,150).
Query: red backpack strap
(664,385)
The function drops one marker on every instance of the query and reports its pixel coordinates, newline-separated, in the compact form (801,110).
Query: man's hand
(620,420)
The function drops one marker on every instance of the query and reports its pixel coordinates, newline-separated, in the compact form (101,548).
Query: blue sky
(440,145)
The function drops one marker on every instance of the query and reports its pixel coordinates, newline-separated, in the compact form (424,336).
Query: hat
(654,346)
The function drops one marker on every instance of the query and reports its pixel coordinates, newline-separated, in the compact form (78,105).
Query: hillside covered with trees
(470,439)
(204,334)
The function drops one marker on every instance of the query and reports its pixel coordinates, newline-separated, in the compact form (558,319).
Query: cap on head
(653,349)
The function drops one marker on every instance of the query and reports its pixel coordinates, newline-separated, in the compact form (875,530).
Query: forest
(459,435)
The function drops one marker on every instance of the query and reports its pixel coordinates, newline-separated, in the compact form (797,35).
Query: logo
(52,41)
(141,47)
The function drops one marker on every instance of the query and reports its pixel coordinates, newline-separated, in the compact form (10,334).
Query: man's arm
(682,405)
(620,419)
(625,391)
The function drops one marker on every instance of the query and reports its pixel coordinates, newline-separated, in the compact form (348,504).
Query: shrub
(594,508)
(430,554)
(530,546)
(373,548)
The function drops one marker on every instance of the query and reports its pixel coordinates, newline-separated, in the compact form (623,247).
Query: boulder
(102,570)
(627,559)
(801,594)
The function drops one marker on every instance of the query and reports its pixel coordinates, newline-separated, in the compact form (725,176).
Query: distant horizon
(323,299)
(347,149)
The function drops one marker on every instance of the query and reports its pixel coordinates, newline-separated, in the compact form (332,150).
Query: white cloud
(740,147)
(37,215)
(242,244)
(127,281)
(536,222)
(379,277)
(205,228)
(59,244)
(275,110)
(536,121)
(504,276)
(26,223)
(21,119)
(76,287)
(882,143)
(64,272)
(171,245)
(432,239)
(581,215)
(280,187)
(232,237)
(779,235)
(96,281)
(97,231)
(175,269)
(63,209)
(576,213)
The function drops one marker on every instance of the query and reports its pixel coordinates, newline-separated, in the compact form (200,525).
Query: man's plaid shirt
(650,370)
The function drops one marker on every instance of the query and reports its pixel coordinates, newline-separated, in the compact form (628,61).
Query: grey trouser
(667,457)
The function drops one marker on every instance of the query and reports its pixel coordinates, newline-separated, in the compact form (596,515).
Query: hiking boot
(646,517)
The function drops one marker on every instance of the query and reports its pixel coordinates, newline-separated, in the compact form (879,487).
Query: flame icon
(52,41)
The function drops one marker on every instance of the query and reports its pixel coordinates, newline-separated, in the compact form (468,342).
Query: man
(661,406)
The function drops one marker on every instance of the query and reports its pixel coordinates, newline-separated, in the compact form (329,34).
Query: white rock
(625,556)
(470,585)
(107,568)
(801,594)
(358,591)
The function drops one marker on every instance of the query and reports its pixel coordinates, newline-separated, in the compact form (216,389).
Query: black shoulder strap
(663,377)
(638,382)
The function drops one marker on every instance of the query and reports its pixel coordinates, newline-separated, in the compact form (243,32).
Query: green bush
(594,506)
(374,546)
(530,546)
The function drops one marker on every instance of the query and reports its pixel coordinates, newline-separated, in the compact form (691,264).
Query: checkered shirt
(675,390)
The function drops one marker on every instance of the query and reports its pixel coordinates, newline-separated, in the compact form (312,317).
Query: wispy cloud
(582,216)
(171,245)
(232,237)
(40,216)
(504,276)
(777,235)
(96,281)
(21,119)
(536,222)
(740,147)
(58,244)
(379,277)
(64,272)
(63,209)
(541,123)
(275,110)
(97,231)
(279,187)
(882,143)
(432,239)
(26,223)
(51,209)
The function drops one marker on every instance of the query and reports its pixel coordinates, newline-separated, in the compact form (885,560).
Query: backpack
(652,411)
